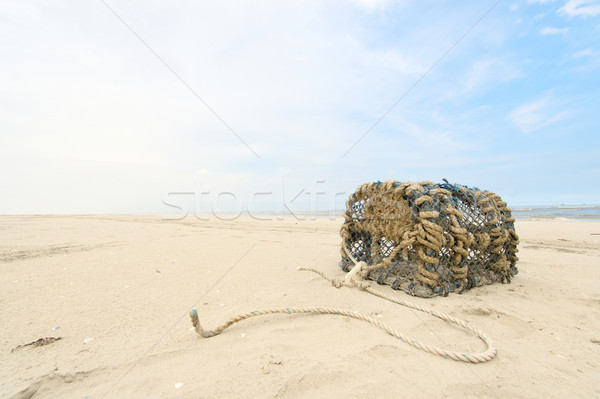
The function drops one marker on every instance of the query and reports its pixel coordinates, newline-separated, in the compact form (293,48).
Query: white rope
(352,280)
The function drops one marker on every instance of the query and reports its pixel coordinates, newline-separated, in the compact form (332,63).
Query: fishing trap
(429,239)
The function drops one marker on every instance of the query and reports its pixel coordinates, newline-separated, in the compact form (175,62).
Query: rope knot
(354,276)
(337,282)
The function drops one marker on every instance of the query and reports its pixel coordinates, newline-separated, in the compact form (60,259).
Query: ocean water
(560,212)
(541,212)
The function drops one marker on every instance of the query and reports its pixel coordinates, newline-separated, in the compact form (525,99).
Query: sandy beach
(117,291)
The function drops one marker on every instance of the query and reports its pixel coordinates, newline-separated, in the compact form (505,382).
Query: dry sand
(118,289)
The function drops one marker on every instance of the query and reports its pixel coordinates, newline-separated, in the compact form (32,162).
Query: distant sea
(561,212)
(537,212)
(541,212)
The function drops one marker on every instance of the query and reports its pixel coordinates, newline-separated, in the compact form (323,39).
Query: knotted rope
(354,279)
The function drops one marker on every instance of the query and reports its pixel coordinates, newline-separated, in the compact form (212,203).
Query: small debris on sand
(39,342)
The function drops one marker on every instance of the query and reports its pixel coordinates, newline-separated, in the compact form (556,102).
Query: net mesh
(429,239)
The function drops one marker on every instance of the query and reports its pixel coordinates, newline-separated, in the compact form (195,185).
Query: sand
(117,291)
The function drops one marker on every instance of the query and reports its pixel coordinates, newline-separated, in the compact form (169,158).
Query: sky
(113,106)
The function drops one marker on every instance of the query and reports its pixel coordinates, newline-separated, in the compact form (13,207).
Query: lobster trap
(429,239)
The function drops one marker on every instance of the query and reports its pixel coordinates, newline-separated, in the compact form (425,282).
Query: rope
(352,279)
(482,357)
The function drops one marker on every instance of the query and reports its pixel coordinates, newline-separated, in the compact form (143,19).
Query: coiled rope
(352,279)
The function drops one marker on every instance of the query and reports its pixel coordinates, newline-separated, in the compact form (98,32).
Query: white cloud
(584,8)
(371,5)
(548,30)
(91,113)
(588,52)
(587,60)
(537,114)
(399,63)
(480,75)
(539,1)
